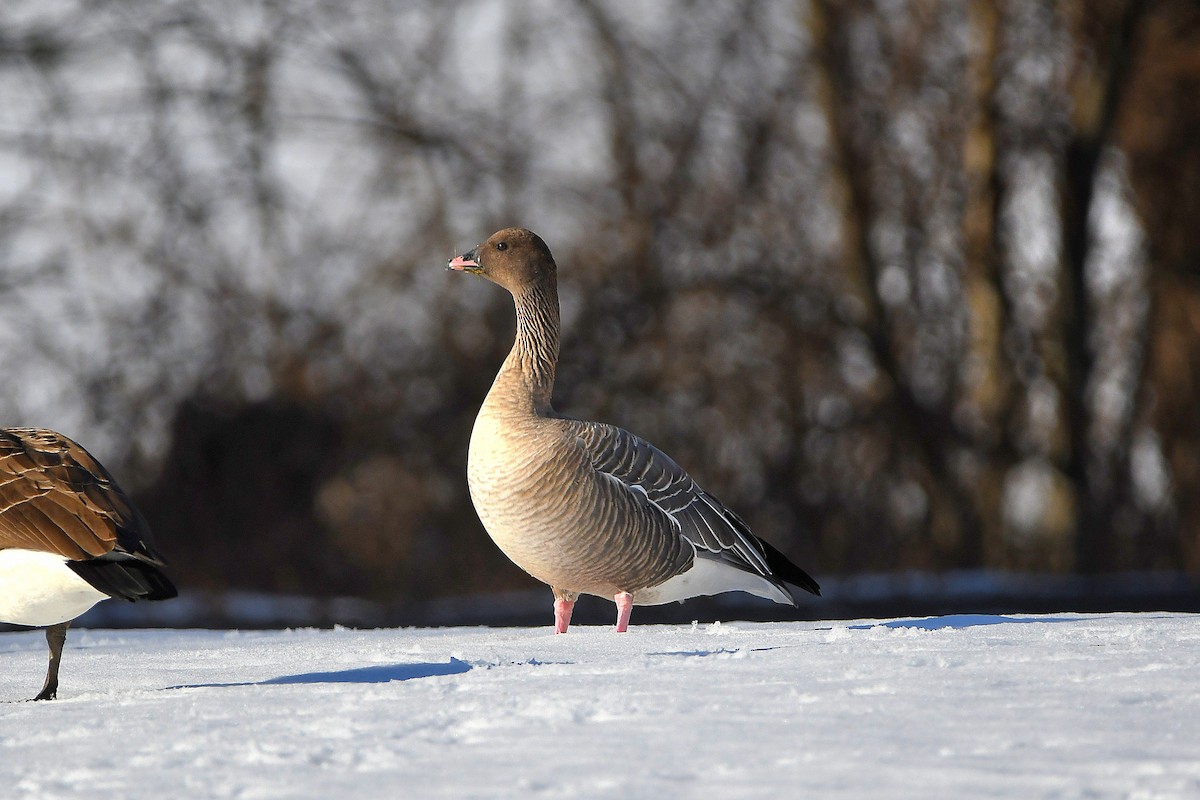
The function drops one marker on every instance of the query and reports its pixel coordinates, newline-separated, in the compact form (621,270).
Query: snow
(1064,706)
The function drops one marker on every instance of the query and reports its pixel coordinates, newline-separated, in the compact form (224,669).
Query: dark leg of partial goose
(624,601)
(564,604)
(56,637)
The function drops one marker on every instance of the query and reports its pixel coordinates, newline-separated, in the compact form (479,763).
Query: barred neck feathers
(534,354)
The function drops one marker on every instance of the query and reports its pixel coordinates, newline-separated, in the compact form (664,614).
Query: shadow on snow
(957,621)
(383,673)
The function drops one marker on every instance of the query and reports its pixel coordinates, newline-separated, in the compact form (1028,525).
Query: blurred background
(913,286)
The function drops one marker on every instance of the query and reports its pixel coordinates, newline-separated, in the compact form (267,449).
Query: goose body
(585,507)
(69,538)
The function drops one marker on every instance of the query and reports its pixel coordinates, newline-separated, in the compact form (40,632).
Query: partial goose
(586,507)
(69,538)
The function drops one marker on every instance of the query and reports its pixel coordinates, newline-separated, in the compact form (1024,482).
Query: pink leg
(624,601)
(562,613)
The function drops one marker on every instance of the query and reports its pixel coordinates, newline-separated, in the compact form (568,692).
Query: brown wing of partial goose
(56,498)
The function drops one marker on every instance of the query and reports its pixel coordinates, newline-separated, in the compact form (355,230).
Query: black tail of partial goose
(786,571)
(125,578)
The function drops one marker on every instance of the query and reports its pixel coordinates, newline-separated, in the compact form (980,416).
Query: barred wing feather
(650,473)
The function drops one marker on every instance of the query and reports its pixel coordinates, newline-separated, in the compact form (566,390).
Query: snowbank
(962,706)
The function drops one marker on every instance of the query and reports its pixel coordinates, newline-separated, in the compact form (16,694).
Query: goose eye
(501,245)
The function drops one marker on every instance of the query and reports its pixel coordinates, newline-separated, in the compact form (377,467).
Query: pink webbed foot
(562,614)
(624,601)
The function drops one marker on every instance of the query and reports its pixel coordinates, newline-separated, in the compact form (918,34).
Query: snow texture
(975,706)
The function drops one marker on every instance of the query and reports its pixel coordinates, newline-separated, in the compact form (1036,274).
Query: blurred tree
(910,285)
(1158,130)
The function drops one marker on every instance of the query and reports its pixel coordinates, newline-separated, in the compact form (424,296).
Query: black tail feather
(125,578)
(786,571)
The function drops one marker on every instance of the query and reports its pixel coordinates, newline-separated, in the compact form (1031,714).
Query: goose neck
(534,356)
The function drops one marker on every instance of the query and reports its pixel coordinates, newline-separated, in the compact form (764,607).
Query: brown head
(514,258)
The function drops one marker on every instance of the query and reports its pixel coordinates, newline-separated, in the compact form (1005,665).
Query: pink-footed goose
(69,538)
(590,508)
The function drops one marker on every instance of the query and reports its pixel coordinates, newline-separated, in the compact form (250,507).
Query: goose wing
(56,498)
(659,483)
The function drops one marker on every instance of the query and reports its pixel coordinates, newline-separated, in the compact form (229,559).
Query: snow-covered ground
(963,706)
